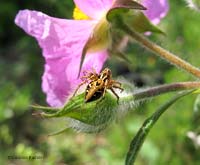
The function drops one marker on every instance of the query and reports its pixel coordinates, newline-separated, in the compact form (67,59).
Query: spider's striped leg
(78,87)
(115,94)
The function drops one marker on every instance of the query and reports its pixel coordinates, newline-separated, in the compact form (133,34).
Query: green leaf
(44,109)
(196,115)
(138,140)
(197,105)
(197,91)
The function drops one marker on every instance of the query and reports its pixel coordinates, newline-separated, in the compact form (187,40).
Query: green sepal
(59,132)
(133,18)
(45,109)
(122,6)
(99,40)
(94,113)
(140,23)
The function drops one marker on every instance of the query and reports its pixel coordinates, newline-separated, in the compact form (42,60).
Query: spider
(98,84)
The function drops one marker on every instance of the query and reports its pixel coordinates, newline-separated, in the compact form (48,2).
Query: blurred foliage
(21,67)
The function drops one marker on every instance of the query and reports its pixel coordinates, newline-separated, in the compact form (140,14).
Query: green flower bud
(92,116)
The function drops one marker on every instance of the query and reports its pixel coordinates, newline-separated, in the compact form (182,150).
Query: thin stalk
(161,89)
(170,57)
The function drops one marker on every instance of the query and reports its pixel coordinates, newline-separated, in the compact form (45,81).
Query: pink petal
(60,76)
(156,9)
(62,42)
(94,8)
(54,82)
(56,37)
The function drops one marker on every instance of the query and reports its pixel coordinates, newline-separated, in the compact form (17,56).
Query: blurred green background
(21,67)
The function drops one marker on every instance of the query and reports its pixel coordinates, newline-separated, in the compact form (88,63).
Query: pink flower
(62,42)
(156,9)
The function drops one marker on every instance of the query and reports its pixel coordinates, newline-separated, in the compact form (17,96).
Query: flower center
(79,15)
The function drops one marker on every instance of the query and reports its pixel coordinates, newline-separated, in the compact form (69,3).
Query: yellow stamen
(79,15)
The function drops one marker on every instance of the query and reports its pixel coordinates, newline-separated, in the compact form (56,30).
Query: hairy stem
(155,91)
(170,57)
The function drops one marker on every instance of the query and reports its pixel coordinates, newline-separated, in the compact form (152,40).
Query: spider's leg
(106,86)
(78,88)
(115,94)
(116,84)
(94,71)
(119,87)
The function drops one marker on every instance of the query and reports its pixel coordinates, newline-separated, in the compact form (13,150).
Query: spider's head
(106,73)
